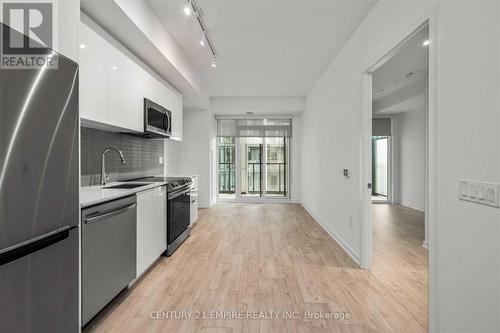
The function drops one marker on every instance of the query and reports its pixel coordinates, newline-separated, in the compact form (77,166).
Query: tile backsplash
(142,156)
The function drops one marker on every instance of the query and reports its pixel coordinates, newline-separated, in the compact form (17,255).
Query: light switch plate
(346,173)
(480,192)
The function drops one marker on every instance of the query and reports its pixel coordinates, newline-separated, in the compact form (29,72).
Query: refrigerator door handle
(97,218)
(19,251)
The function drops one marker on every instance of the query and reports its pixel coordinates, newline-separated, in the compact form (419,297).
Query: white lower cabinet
(151,227)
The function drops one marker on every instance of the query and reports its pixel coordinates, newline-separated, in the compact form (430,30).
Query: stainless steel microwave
(157,120)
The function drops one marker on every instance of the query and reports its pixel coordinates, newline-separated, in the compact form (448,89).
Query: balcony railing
(227,178)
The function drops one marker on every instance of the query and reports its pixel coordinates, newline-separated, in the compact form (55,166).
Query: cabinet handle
(110,214)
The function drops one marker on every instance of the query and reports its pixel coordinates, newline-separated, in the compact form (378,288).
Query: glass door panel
(276,167)
(227,167)
(251,161)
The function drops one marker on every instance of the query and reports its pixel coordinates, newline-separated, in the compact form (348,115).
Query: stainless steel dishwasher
(108,253)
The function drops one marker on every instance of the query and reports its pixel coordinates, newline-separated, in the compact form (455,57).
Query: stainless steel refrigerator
(39,200)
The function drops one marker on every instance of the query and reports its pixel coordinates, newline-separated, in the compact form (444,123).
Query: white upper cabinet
(125,101)
(113,86)
(152,88)
(93,77)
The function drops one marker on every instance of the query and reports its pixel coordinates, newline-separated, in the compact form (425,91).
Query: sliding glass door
(253,161)
(253,168)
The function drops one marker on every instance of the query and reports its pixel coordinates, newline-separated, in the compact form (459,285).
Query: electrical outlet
(160,159)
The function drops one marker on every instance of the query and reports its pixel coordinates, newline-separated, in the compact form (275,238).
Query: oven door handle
(179,193)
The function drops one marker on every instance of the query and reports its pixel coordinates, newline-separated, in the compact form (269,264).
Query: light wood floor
(275,257)
(400,262)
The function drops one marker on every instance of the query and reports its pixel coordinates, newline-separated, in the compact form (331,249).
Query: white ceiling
(398,85)
(264,47)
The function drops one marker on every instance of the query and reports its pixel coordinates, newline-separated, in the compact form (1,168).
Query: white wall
(411,164)
(468,137)
(296,160)
(195,152)
(257,105)
(468,146)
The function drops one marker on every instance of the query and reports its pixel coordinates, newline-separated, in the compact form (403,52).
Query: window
(380,167)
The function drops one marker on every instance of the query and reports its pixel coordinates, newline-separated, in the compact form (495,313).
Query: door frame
(429,19)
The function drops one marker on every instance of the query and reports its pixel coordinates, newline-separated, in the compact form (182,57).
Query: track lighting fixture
(192,7)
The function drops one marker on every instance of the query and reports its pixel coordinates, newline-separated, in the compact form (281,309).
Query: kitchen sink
(125,186)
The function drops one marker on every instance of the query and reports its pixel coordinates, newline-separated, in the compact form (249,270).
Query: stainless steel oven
(178,210)
(157,120)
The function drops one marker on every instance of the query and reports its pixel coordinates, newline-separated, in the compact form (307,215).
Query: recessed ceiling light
(82,46)
(426,42)
(187,10)
(202,42)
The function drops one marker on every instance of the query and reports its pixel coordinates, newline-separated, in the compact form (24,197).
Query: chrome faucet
(104,176)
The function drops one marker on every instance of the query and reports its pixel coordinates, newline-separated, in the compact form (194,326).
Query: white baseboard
(412,206)
(335,237)
(425,245)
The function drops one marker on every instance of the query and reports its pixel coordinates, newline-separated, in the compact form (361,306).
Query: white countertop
(94,195)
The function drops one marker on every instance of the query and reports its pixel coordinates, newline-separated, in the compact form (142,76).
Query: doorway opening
(398,173)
